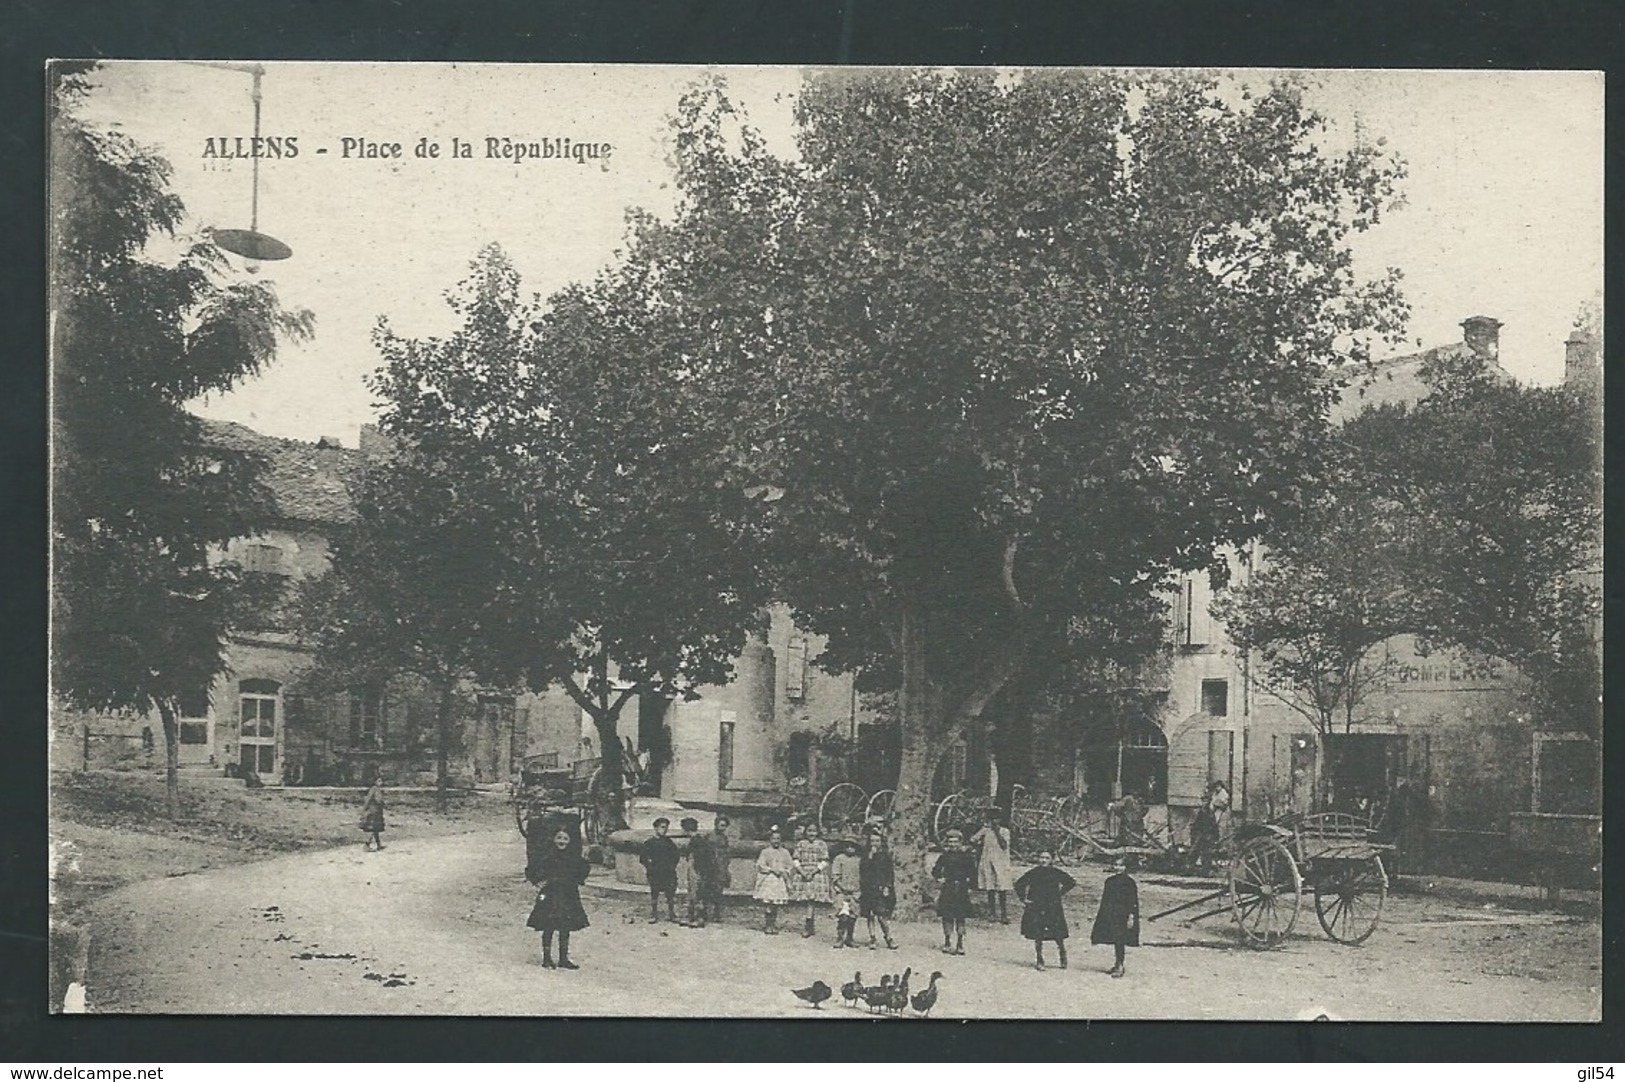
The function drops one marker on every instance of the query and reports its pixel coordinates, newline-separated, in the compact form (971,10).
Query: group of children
(703,867)
(860,885)
(1040,890)
(811,873)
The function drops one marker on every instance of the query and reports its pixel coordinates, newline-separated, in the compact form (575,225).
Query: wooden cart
(1331,855)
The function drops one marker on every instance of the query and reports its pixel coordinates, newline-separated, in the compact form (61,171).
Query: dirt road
(436,925)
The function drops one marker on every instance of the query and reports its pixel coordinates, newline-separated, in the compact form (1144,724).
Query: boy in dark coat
(1118,921)
(1040,889)
(659,858)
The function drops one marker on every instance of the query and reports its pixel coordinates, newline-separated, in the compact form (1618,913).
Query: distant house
(1455,725)
(745,743)
(260,714)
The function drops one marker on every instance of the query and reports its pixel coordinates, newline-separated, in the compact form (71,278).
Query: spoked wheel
(943,818)
(521,816)
(592,830)
(1266,892)
(1348,900)
(841,810)
(879,809)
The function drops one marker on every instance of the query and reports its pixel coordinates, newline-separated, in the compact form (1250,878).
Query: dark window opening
(194,732)
(798,760)
(1216,698)
(366,717)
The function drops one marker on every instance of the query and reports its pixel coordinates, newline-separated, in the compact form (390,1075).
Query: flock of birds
(890,996)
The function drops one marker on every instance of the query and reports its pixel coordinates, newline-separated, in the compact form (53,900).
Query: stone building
(1456,726)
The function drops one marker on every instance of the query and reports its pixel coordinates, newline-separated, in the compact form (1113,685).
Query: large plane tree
(1014,348)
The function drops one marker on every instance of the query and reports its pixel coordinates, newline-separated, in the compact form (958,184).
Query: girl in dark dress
(1040,890)
(955,871)
(559,873)
(1118,921)
(877,888)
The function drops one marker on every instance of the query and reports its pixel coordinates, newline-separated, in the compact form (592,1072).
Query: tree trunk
(916,765)
(612,792)
(172,758)
(442,726)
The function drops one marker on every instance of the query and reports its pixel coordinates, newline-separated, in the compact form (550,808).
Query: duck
(814,993)
(899,993)
(852,989)
(878,997)
(925,999)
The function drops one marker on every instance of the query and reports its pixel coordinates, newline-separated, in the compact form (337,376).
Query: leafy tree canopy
(1011,345)
(142,502)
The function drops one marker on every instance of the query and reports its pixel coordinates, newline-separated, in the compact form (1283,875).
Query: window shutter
(1221,758)
(796,665)
(1198,619)
(1187,767)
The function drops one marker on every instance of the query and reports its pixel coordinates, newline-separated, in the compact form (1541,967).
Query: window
(796,666)
(258,714)
(194,732)
(1216,698)
(725,754)
(265,559)
(798,762)
(366,717)
(195,705)
(1566,773)
(257,718)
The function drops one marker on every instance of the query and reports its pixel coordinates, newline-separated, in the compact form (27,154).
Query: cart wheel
(842,808)
(1348,902)
(1266,892)
(879,809)
(521,816)
(943,817)
(591,831)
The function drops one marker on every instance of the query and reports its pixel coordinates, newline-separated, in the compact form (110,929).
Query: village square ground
(435,924)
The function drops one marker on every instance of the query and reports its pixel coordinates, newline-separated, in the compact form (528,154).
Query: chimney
(1482,335)
(373,441)
(1580,360)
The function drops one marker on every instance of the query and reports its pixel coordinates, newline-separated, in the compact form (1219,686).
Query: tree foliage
(553,473)
(1469,519)
(142,502)
(1014,348)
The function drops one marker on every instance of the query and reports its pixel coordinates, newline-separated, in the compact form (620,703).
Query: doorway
(1361,770)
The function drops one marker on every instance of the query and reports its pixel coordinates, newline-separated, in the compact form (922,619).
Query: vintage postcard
(572,540)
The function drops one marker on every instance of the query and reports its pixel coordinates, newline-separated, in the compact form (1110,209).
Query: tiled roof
(1399,379)
(312,482)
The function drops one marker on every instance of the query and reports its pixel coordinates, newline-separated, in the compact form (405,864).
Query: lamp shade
(251,244)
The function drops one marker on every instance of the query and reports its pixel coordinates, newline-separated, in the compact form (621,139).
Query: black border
(1583,34)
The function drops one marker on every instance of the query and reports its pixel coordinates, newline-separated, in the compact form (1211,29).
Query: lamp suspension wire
(254,198)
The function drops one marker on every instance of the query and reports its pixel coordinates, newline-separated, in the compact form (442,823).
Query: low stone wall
(626,845)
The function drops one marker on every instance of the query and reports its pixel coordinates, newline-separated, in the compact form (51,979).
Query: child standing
(1041,890)
(846,883)
(810,884)
(689,870)
(716,876)
(659,858)
(877,889)
(955,871)
(1118,921)
(773,879)
(993,873)
(558,873)
(372,814)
